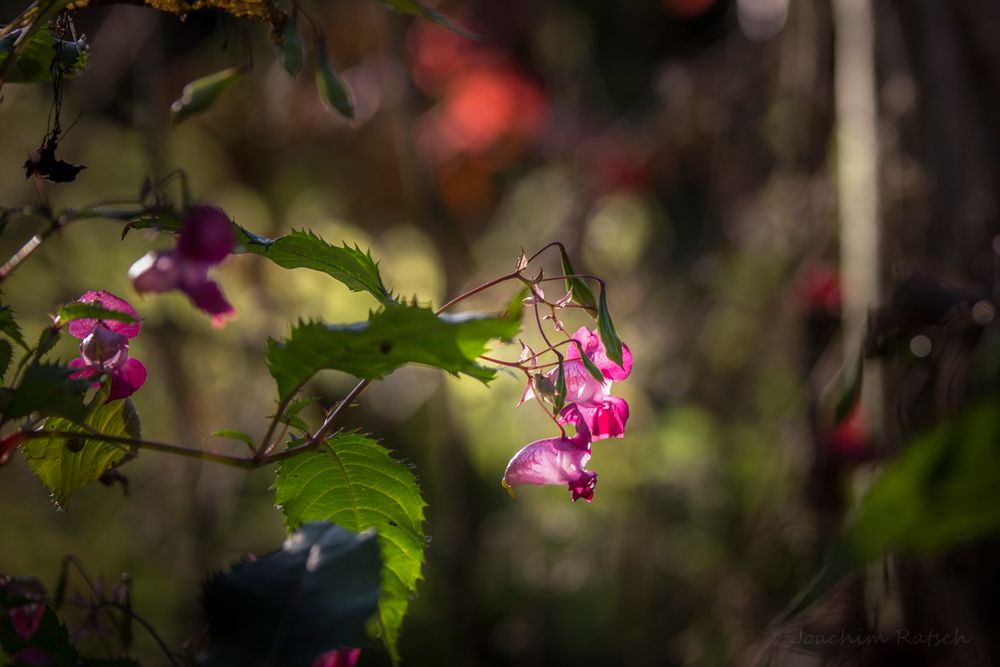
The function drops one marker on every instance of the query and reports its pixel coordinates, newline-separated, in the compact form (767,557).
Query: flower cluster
(104,346)
(590,409)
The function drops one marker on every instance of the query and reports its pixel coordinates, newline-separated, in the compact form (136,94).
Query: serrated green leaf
(290,52)
(582,294)
(66,465)
(303,249)
(200,94)
(36,52)
(354,482)
(398,335)
(9,326)
(81,311)
(415,8)
(606,329)
(6,352)
(48,390)
(312,596)
(332,90)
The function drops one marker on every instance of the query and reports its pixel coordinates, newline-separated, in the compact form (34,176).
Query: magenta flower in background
(342,657)
(104,346)
(559,460)
(205,240)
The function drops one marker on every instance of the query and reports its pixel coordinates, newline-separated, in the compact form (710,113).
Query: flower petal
(606,420)
(126,380)
(342,657)
(553,461)
(82,328)
(26,618)
(156,272)
(207,296)
(206,235)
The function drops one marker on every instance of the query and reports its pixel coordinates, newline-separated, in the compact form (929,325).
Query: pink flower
(559,460)
(26,619)
(104,346)
(206,239)
(342,657)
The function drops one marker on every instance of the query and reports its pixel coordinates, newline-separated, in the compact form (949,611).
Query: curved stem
(477,290)
(235,461)
(145,624)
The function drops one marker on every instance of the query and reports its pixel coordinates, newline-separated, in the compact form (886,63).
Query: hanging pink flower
(26,618)
(205,240)
(342,657)
(104,346)
(559,460)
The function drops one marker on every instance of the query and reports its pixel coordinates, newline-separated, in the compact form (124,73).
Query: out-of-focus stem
(857,183)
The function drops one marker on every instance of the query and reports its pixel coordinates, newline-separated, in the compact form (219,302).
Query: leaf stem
(235,461)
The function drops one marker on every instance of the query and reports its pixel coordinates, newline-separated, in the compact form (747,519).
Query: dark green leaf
(48,390)
(332,89)
(582,294)
(606,329)
(285,608)
(66,465)
(81,311)
(591,367)
(6,352)
(353,482)
(9,326)
(515,307)
(417,9)
(291,48)
(398,335)
(303,249)
(559,400)
(165,223)
(200,94)
(37,51)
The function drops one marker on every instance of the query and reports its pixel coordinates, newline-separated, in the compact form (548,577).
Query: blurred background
(750,176)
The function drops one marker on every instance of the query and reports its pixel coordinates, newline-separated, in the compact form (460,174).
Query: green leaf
(37,51)
(842,396)
(6,352)
(398,335)
(559,400)
(606,329)
(66,465)
(417,9)
(582,294)
(303,249)
(233,434)
(200,94)
(81,311)
(48,390)
(944,489)
(332,90)
(313,595)
(290,52)
(291,413)
(353,481)
(10,328)
(167,222)
(515,307)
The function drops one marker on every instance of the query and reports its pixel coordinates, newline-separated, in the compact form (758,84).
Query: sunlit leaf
(606,329)
(303,249)
(398,335)
(82,311)
(66,465)
(313,595)
(559,400)
(200,94)
(332,90)
(353,481)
